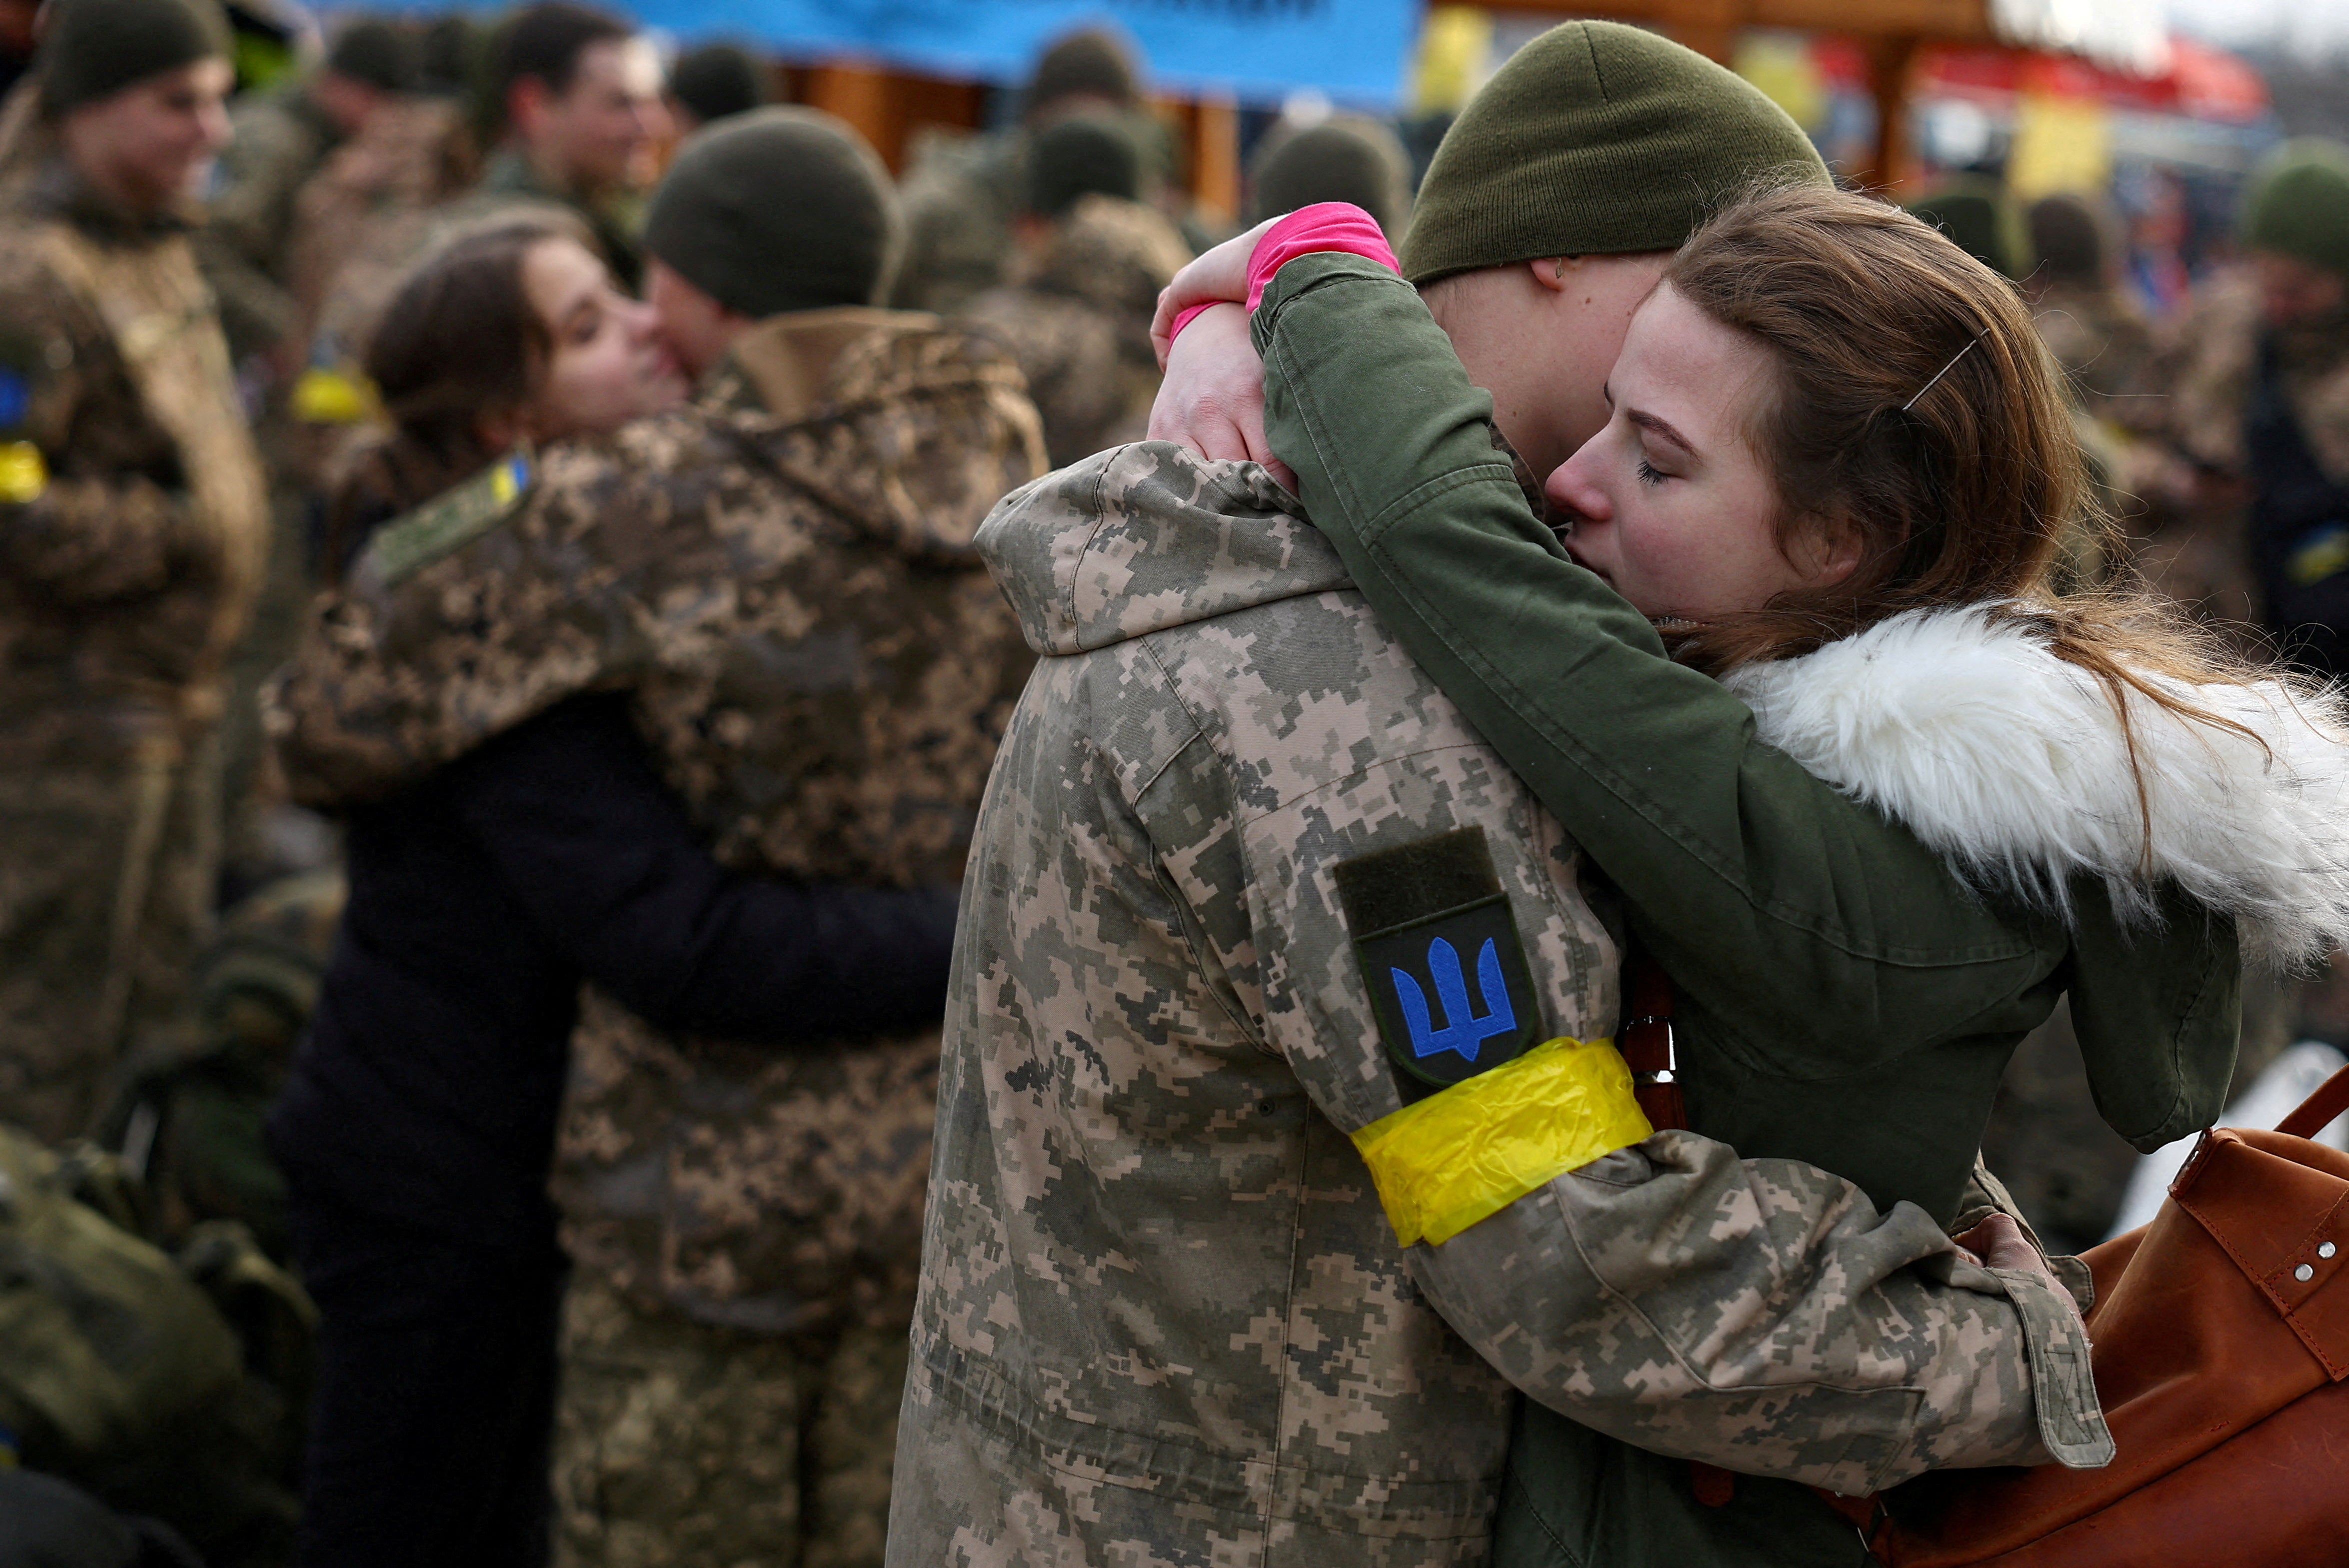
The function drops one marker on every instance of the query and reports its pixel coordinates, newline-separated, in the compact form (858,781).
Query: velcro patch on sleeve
(1440,955)
(448,522)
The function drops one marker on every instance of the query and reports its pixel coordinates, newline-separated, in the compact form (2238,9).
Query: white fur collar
(2013,765)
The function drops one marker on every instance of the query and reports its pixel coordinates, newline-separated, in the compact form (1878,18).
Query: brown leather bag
(2221,1347)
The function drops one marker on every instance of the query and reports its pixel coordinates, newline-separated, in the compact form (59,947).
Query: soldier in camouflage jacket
(783,575)
(133,535)
(1078,322)
(1164,1319)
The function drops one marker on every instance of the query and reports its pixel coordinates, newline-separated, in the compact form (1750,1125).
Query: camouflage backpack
(164,1388)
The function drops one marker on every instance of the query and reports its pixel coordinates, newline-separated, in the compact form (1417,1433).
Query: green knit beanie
(777,209)
(2299,203)
(1974,213)
(96,48)
(1596,139)
(1346,157)
(1084,155)
(373,51)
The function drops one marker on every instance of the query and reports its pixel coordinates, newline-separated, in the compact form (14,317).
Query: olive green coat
(1843,997)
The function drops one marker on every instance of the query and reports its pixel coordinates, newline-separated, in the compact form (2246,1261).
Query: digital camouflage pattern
(1078,321)
(126,578)
(1163,1319)
(680,1443)
(958,200)
(2192,472)
(783,574)
(245,245)
(363,219)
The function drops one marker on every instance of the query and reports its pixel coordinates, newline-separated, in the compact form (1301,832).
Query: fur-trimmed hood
(2013,765)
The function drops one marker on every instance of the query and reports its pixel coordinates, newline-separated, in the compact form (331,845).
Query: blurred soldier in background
(133,535)
(2261,404)
(1092,260)
(577,97)
(1975,213)
(1345,158)
(783,572)
(712,82)
(962,196)
(282,139)
(2089,323)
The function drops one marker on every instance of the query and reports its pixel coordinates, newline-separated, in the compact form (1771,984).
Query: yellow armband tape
(323,396)
(24,474)
(1467,1152)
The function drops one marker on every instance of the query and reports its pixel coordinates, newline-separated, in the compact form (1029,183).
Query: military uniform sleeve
(465,618)
(592,842)
(1759,1314)
(1767,895)
(74,520)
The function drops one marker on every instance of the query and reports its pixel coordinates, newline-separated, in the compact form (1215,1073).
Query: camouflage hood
(878,389)
(1236,540)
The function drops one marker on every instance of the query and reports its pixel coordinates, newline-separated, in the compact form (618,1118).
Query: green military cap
(95,49)
(1084,155)
(1090,63)
(373,51)
(778,209)
(1975,214)
(2299,203)
(718,80)
(1596,139)
(2069,239)
(1346,157)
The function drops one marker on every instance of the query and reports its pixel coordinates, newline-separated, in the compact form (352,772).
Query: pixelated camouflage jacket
(783,572)
(2212,358)
(958,200)
(1078,322)
(133,517)
(1164,1318)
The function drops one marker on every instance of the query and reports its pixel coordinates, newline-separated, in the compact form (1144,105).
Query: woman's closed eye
(1649,474)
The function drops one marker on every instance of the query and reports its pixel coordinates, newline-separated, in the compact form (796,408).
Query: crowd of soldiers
(271,646)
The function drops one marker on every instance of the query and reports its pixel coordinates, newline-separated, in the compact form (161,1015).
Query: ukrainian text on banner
(1260,49)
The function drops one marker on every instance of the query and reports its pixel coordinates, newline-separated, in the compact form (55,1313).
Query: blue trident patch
(1464,1031)
(1415,911)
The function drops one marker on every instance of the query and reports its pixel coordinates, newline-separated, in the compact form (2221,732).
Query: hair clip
(1945,369)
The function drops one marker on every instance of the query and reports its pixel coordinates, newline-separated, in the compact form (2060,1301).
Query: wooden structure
(890,107)
(1891,33)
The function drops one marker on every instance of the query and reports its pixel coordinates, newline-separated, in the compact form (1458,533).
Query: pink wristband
(1188,313)
(1324,226)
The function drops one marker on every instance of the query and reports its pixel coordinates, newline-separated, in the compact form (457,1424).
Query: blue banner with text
(1261,50)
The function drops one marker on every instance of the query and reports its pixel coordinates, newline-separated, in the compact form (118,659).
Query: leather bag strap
(1646,1041)
(2318,1111)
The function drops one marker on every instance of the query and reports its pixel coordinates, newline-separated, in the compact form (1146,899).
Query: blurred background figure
(2097,331)
(573,97)
(1092,257)
(1975,213)
(961,201)
(712,81)
(1345,158)
(133,536)
(281,139)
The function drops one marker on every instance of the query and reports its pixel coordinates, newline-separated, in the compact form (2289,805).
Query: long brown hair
(460,341)
(1916,408)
